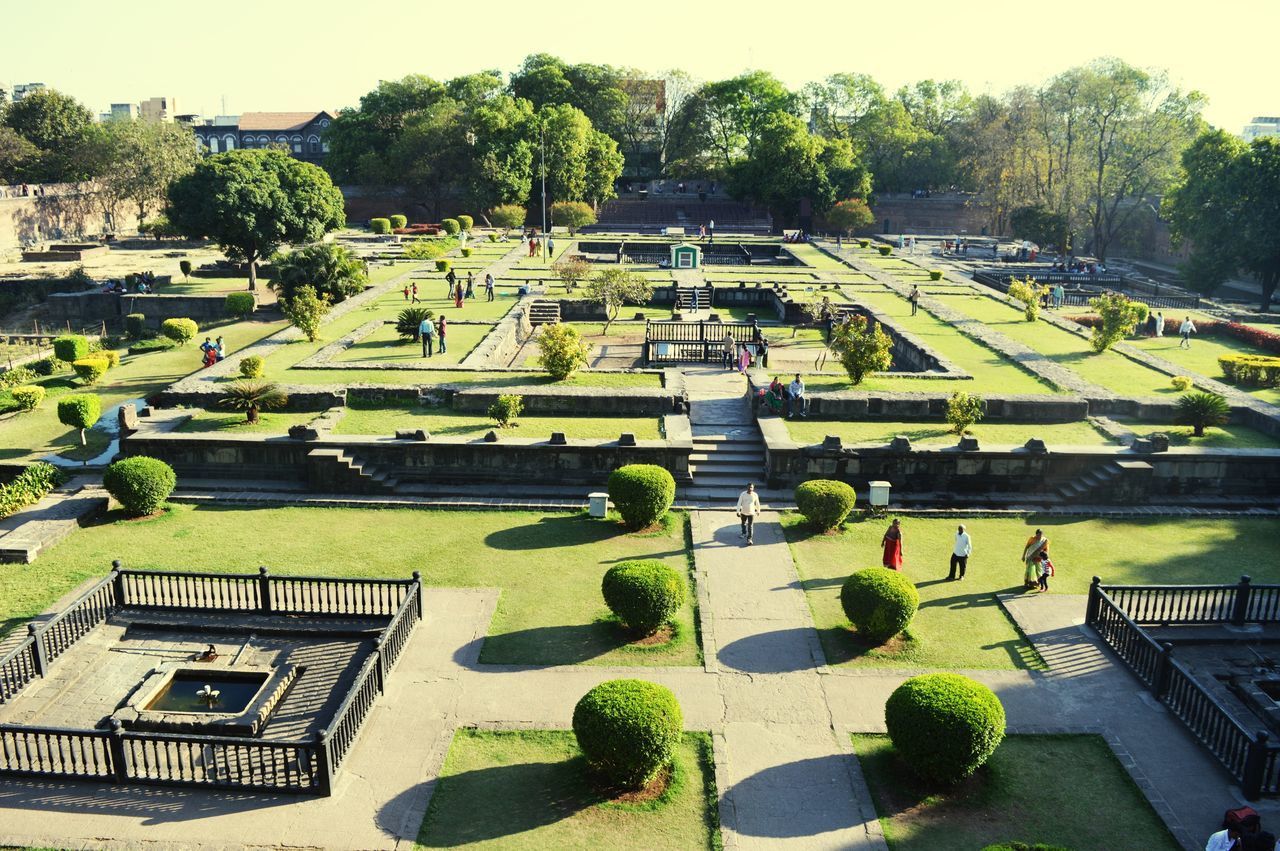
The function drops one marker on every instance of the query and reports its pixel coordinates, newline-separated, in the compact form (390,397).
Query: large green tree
(139,160)
(251,202)
(581,162)
(595,90)
(1227,205)
(57,125)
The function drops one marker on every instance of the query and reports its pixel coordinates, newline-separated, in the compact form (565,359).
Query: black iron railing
(670,342)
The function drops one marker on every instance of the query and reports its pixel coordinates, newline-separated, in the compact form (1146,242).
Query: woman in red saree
(892,543)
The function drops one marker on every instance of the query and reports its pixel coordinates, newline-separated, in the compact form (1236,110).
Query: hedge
(90,369)
(253,366)
(885,250)
(825,503)
(155,344)
(140,484)
(466,222)
(70,347)
(642,493)
(240,305)
(935,274)
(380,226)
(1024,846)
(181,331)
(1251,370)
(398,221)
(47,366)
(451,226)
(628,730)
(944,726)
(79,410)
(879,602)
(442,265)
(28,396)
(465,252)
(644,595)
(29,487)
(1267,341)
(135,326)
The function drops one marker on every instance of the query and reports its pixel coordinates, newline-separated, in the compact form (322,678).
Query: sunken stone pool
(229,692)
(237,701)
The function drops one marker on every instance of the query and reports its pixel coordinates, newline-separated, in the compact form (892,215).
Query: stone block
(1159,442)
(901,443)
(412,434)
(1036,445)
(968,444)
(301,432)
(832,443)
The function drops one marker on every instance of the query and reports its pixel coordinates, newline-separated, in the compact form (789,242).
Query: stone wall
(587,401)
(63,212)
(80,308)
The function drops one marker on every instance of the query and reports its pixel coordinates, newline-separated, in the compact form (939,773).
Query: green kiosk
(686,256)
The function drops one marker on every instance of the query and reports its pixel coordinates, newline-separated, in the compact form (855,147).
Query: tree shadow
(560,530)
(543,646)
(779,652)
(142,804)
(792,789)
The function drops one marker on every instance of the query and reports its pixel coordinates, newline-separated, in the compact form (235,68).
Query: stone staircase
(727,460)
(542,312)
(337,471)
(684,297)
(1092,481)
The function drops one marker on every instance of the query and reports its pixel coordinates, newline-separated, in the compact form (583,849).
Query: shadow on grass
(570,644)
(567,530)
(841,644)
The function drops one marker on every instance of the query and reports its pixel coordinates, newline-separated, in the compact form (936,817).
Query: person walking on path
(730,350)
(1036,545)
(427,332)
(1044,570)
(915,299)
(1159,324)
(1151,325)
(457,294)
(892,544)
(441,328)
(1058,295)
(748,509)
(471,284)
(488,287)
(451,278)
(219,350)
(960,553)
(406,292)
(551,247)
(1186,330)
(413,291)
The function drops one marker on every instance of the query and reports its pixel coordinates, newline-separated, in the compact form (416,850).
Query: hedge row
(1251,370)
(1267,341)
(29,487)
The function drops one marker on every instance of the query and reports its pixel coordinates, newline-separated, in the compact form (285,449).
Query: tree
(563,351)
(252,397)
(611,288)
(306,311)
(1119,315)
(17,155)
(1227,206)
(332,270)
(1201,410)
(250,202)
(139,160)
(595,90)
(567,133)
(80,411)
(850,215)
(357,137)
(575,214)
(570,270)
(963,410)
(861,349)
(507,216)
(57,126)
(1030,294)
(1039,224)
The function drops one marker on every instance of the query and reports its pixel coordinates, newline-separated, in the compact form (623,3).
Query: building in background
(122,112)
(1262,125)
(158,109)
(21,90)
(300,133)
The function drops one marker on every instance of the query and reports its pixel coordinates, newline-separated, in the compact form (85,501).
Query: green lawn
(235,422)
(445,422)
(1202,358)
(960,624)
(431,295)
(548,567)
(38,433)
(1061,790)
(1224,437)
(806,431)
(384,345)
(582,378)
(524,789)
(1109,369)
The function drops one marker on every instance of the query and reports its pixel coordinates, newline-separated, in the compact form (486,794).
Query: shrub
(944,726)
(111,356)
(575,214)
(466,222)
(1251,370)
(1201,410)
(506,409)
(253,366)
(252,397)
(79,410)
(135,326)
(90,369)
(70,347)
(965,409)
(861,349)
(1024,846)
(642,493)
(850,215)
(184,266)
(425,249)
(328,268)
(628,730)
(563,350)
(442,265)
(493,237)
(380,226)
(409,320)
(864,243)
(451,226)
(306,311)
(885,250)
(398,221)
(935,274)
(1118,316)
(879,602)
(1141,311)
(29,487)
(140,484)
(47,366)
(240,305)
(643,594)
(825,503)
(1181,383)
(181,331)
(1029,293)
(465,252)
(155,344)
(28,396)
(17,376)
(507,216)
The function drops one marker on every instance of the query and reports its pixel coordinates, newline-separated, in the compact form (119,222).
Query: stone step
(735,483)
(727,456)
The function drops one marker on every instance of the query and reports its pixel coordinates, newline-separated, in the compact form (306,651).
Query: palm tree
(252,397)
(1200,410)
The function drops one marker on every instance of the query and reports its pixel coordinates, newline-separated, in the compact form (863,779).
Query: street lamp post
(542,144)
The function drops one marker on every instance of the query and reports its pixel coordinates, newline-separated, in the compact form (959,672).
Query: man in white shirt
(797,403)
(748,508)
(960,553)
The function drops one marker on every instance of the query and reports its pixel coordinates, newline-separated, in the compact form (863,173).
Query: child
(406,293)
(1045,571)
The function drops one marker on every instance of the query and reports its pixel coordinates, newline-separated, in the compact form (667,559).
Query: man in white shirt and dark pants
(960,553)
(748,508)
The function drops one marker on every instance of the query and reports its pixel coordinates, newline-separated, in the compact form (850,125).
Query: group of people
(740,356)
(1242,831)
(144,284)
(429,332)
(1037,567)
(211,351)
(456,290)
(534,242)
(787,400)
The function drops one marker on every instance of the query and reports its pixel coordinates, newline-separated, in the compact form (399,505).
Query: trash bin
(878,494)
(599,504)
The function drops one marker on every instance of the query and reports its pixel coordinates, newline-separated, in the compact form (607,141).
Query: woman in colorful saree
(892,543)
(1036,545)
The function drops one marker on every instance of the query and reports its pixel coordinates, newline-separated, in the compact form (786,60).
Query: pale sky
(297,56)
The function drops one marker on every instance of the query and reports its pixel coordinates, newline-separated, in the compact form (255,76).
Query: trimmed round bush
(135,326)
(240,305)
(90,369)
(398,221)
(642,493)
(885,250)
(864,243)
(493,237)
(466,222)
(79,410)
(442,265)
(179,330)
(70,347)
(879,602)
(643,594)
(465,252)
(111,356)
(451,226)
(140,484)
(28,396)
(935,274)
(380,226)
(825,503)
(628,730)
(944,726)
(1181,383)
(253,366)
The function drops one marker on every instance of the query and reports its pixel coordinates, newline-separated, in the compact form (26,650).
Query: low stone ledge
(539,399)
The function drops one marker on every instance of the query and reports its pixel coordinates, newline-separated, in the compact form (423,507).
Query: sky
(268,55)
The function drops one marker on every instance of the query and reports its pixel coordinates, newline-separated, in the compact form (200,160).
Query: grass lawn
(582,378)
(960,625)
(234,422)
(1109,369)
(1202,358)
(815,258)
(1224,437)
(1081,433)
(38,433)
(384,345)
(445,422)
(548,567)
(1061,790)
(431,295)
(533,791)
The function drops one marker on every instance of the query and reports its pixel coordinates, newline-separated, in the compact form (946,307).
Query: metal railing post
(417,591)
(115,746)
(264,590)
(38,654)
(1160,676)
(1095,600)
(1241,607)
(1255,764)
(324,766)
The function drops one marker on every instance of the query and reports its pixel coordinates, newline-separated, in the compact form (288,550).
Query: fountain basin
(166,700)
